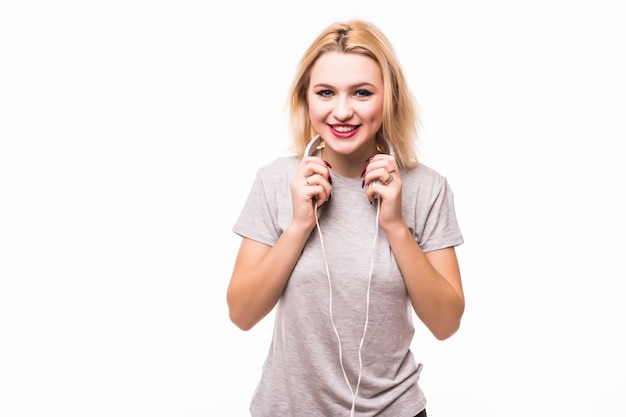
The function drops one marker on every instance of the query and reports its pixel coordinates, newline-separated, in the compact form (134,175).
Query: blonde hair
(400,118)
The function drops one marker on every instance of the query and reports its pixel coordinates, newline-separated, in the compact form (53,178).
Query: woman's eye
(363,93)
(324,93)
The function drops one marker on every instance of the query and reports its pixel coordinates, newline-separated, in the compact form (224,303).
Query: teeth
(344,129)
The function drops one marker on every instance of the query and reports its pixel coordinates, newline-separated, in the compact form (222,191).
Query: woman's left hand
(383,180)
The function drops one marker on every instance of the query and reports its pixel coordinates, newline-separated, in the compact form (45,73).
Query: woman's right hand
(311,187)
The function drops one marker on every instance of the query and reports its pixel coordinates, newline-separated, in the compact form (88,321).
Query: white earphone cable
(330,298)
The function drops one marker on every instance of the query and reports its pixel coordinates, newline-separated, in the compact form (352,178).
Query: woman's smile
(345,101)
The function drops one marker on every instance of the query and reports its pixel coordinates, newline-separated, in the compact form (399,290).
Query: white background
(130,133)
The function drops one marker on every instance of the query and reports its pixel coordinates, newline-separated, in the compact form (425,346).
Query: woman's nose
(343,108)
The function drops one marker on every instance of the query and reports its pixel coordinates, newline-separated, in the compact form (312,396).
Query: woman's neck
(350,165)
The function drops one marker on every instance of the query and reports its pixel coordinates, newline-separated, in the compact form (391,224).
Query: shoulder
(277,173)
(280,165)
(423,176)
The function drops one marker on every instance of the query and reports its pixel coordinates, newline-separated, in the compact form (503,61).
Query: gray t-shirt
(302,375)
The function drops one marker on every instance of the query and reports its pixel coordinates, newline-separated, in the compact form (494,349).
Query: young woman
(344,238)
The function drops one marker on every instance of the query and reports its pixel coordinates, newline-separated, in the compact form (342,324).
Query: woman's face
(345,98)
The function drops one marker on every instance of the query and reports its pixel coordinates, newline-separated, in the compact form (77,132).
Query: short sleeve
(257,220)
(440,228)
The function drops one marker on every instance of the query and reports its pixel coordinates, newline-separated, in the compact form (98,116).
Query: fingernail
(363,184)
(327,164)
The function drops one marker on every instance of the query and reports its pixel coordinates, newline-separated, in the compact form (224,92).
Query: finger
(388,179)
(322,169)
(320,189)
(384,162)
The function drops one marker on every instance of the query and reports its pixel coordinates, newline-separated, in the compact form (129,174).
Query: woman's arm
(260,275)
(433,281)
(262,271)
